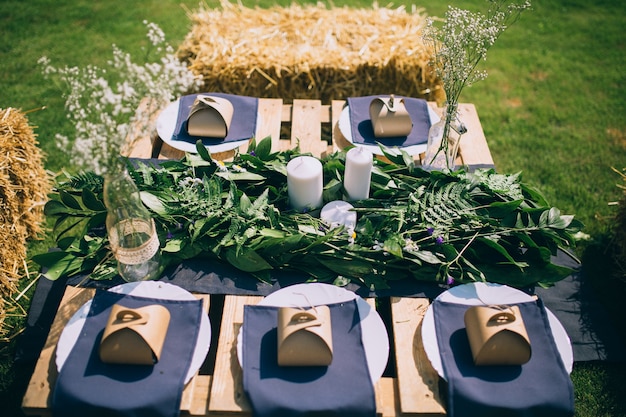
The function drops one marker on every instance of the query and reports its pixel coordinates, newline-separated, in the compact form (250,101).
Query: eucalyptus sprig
(429,226)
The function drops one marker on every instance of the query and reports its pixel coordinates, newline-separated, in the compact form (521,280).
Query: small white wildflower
(351,236)
(410,245)
(220,165)
(190,182)
(581,236)
(238,168)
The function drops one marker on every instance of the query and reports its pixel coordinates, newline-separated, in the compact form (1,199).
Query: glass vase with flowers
(459,44)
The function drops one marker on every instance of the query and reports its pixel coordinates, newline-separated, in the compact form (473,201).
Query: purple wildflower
(450,280)
(439,240)
(430,231)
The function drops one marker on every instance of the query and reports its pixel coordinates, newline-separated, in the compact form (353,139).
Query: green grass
(552,107)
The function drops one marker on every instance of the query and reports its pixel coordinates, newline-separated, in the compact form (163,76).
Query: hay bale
(24,186)
(311,51)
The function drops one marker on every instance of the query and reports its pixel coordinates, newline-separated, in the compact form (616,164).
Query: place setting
(500,351)
(311,341)
(222,122)
(148,336)
(390,120)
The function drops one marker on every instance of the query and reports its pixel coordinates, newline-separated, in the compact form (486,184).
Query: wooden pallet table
(314,126)
(414,391)
(414,387)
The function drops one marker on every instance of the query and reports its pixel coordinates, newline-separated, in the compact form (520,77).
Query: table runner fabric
(541,387)
(363,131)
(344,388)
(88,387)
(242,126)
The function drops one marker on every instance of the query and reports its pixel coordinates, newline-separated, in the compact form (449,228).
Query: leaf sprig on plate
(428,226)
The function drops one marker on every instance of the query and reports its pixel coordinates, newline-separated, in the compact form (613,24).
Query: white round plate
(346,130)
(166,123)
(374,333)
(152,289)
(481,293)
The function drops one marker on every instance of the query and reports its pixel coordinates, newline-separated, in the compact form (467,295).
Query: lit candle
(305,182)
(337,213)
(358,173)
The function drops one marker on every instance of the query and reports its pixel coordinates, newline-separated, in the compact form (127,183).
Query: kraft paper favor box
(497,336)
(304,337)
(134,336)
(390,117)
(210,117)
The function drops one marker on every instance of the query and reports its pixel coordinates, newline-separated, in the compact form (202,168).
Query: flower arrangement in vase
(459,44)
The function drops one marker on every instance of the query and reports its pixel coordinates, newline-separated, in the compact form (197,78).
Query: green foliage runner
(430,226)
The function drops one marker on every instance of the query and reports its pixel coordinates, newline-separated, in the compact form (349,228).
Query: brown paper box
(304,337)
(134,336)
(497,336)
(210,117)
(390,117)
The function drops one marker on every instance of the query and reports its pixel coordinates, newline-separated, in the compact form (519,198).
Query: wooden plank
(418,382)
(306,127)
(227,395)
(139,147)
(37,399)
(326,118)
(168,152)
(473,149)
(338,140)
(198,403)
(142,134)
(387,397)
(268,124)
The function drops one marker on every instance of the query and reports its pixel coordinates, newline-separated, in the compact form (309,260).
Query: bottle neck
(121,195)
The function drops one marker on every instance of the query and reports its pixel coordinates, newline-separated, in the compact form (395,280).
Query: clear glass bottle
(131,229)
(443,142)
(435,157)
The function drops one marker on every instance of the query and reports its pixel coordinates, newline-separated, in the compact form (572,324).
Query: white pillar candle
(337,213)
(305,182)
(358,173)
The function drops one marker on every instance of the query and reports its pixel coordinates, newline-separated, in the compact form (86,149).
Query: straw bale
(24,186)
(310,51)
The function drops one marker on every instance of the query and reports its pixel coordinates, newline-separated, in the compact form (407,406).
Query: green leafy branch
(428,226)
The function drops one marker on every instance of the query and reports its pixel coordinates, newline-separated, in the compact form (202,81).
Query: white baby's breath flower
(464,38)
(102,103)
(459,44)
